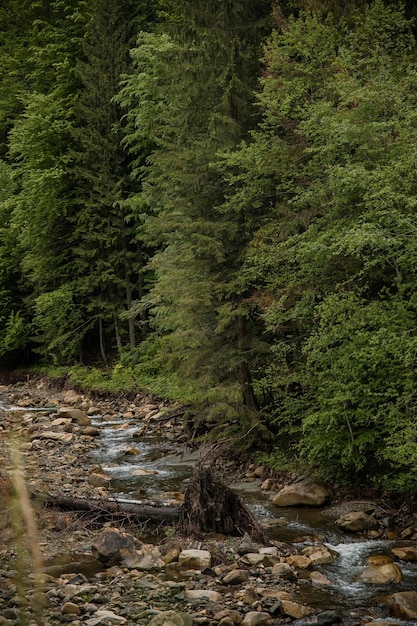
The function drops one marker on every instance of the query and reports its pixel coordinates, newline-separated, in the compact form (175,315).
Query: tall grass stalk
(28,553)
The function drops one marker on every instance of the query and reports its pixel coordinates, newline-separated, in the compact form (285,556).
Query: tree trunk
(245,378)
(101,337)
(104,508)
(131,321)
(117,333)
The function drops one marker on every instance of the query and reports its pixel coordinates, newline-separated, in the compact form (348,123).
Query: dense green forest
(219,198)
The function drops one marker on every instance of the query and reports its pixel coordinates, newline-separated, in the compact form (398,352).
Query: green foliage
(57,324)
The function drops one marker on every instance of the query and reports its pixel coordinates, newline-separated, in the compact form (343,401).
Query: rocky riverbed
(63,566)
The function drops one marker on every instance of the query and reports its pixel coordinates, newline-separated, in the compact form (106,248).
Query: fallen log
(110,508)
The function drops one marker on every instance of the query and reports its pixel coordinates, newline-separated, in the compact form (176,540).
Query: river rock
(283,571)
(147,558)
(356,522)
(328,618)
(381,570)
(302,493)
(234,616)
(203,594)
(113,545)
(47,434)
(255,618)
(295,610)
(97,479)
(76,415)
(195,559)
(255,559)
(102,616)
(246,545)
(319,555)
(70,608)
(408,553)
(403,605)
(317,578)
(298,560)
(171,617)
(236,577)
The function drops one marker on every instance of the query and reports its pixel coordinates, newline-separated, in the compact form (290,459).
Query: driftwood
(111,508)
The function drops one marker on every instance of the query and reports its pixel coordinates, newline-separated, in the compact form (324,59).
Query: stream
(146,468)
(165,474)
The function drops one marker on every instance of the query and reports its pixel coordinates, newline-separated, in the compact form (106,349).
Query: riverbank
(254,584)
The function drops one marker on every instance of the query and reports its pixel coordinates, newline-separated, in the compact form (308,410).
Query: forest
(216,199)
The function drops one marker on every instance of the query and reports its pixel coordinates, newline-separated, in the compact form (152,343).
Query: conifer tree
(108,259)
(189,97)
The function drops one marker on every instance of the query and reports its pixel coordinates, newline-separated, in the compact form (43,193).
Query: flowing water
(165,472)
(153,468)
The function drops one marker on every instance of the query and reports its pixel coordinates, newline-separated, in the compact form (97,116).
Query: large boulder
(381,570)
(302,493)
(357,522)
(403,605)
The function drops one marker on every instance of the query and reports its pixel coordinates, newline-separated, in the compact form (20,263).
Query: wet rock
(195,559)
(317,578)
(356,521)
(171,617)
(381,570)
(113,545)
(403,605)
(295,610)
(328,618)
(319,555)
(302,493)
(255,618)
(91,431)
(76,415)
(408,553)
(99,480)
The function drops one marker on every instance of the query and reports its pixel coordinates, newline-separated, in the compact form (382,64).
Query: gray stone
(112,546)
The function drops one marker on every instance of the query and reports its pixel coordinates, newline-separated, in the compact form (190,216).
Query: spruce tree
(108,258)
(190,97)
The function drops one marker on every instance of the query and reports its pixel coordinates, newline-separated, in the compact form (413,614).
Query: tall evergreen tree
(109,260)
(189,98)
